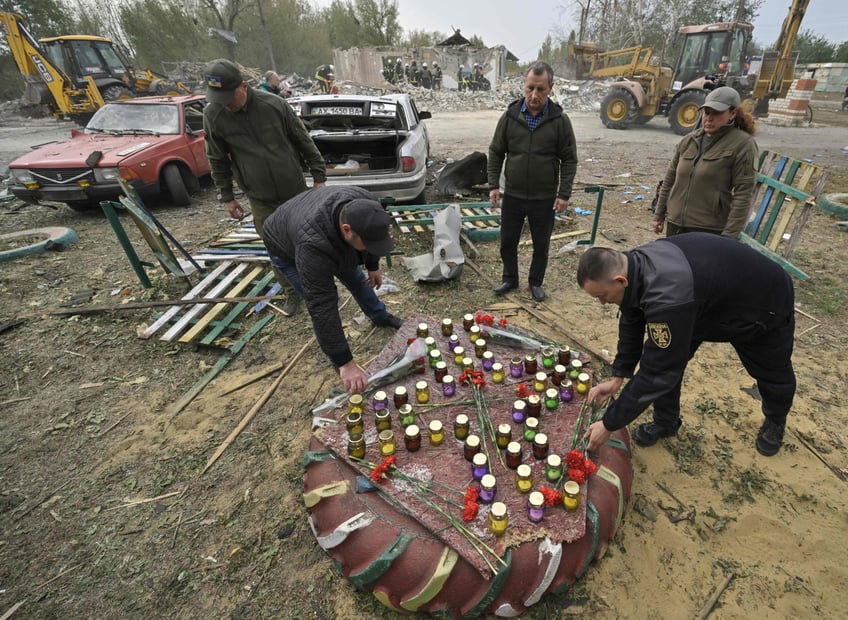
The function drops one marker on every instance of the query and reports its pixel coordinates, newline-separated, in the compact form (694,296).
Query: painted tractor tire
(52,236)
(618,109)
(835,204)
(685,112)
(409,570)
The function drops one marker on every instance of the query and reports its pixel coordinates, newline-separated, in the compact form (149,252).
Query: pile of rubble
(582,95)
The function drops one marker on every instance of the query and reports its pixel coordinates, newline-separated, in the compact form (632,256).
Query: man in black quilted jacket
(680,292)
(328,233)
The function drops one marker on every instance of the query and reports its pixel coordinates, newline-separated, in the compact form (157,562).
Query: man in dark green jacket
(255,138)
(535,138)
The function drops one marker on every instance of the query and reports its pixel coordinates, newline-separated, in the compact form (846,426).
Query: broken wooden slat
(223,285)
(199,288)
(217,309)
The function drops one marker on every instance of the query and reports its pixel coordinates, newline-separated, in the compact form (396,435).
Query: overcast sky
(522,30)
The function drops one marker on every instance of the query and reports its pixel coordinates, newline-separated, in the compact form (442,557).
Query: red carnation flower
(552,498)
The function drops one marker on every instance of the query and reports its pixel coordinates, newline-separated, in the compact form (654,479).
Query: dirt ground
(86,430)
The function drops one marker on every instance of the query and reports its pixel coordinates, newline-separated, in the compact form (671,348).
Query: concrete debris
(581,95)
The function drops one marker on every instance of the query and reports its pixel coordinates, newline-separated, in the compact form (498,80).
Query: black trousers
(540,217)
(767,356)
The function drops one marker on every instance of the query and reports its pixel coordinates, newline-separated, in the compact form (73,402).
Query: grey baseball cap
(721,99)
(222,79)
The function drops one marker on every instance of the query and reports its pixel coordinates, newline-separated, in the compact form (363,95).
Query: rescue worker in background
(460,78)
(478,78)
(437,76)
(271,84)
(326,77)
(426,77)
(399,71)
(472,80)
(414,73)
(407,72)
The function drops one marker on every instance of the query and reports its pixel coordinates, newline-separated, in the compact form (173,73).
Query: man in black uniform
(329,233)
(686,290)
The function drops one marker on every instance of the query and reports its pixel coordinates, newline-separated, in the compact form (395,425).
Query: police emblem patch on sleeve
(660,334)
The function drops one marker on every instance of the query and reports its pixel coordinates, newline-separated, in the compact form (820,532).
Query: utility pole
(267,35)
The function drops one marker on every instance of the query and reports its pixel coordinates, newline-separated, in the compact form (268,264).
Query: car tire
(175,185)
(54,236)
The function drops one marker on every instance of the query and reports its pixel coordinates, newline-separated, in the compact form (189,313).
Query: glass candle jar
(406,415)
(564,356)
(458,355)
(519,411)
(548,358)
(431,343)
(461,427)
(435,357)
(387,443)
(540,382)
(447,328)
(383,419)
(422,392)
(536,507)
(524,479)
(440,371)
(488,360)
(467,322)
(571,496)
(471,447)
(448,385)
(503,436)
(380,400)
(437,432)
(498,374)
(479,466)
(498,519)
(540,446)
(531,427)
(467,364)
(531,365)
(534,406)
(423,330)
(584,383)
(566,391)
(354,424)
(551,399)
(356,404)
(356,446)
(553,467)
(401,396)
(474,334)
(513,454)
(575,367)
(559,374)
(453,342)
(488,489)
(412,438)
(516,367)
(480,347)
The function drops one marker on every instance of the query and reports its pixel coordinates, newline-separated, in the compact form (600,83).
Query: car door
(195,136)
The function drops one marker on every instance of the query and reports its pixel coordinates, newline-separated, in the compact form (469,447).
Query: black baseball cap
(222,79)
(369,220)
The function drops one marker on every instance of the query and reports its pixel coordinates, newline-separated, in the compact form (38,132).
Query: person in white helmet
(426,76)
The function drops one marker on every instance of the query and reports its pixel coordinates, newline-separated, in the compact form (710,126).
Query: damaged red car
(154,143)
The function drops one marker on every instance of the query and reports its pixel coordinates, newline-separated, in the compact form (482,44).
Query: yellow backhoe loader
(76,74)
(713,55)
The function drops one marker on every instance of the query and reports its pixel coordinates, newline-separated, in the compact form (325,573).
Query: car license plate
(337,111)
